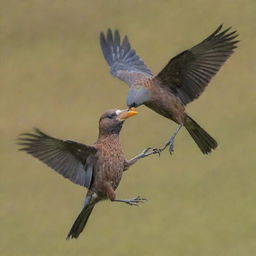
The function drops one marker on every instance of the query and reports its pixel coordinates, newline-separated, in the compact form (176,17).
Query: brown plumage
(181,81)
(98,167)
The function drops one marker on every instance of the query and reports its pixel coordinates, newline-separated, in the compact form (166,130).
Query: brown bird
(181,81)
(98,167)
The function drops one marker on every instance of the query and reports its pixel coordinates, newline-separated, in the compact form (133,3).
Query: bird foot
(133,201)
(148,151)
(169,144)
(144,153)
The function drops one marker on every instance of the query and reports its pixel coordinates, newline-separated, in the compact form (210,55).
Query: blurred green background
(53,76)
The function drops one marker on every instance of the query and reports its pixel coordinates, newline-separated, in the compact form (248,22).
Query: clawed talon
(135,201)
(145,153)
(157,151)
(160,150)
(170,143)
(149,151)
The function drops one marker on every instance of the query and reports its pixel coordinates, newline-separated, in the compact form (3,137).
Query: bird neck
(108,138)
(110,132)
(137,95)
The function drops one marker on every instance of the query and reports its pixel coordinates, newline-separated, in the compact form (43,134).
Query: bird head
(137,95)
(111,121)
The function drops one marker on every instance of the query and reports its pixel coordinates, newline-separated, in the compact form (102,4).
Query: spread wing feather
(70,159)
(187,74)
(124,63)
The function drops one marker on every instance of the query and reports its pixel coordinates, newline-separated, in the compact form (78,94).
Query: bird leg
(170,142)
(111,195)
(133,201)
(143,154)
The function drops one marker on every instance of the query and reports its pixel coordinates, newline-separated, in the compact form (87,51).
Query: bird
(180,82)
(98,167)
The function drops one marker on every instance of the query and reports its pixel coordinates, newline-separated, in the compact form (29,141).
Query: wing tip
(219,34)
(102,37)
(110,36)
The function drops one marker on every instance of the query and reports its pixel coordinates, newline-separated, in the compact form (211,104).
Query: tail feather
(205,142)
(82,219)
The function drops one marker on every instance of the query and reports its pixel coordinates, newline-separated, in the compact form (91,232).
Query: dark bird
(98,167)
(181,81)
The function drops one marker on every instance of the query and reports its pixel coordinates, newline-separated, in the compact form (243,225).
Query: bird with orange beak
(98,167)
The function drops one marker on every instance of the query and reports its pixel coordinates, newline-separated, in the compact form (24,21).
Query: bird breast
(166,104)
(110,166)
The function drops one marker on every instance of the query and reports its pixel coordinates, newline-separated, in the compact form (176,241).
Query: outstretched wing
(122,59)
(70,159)
(187,74)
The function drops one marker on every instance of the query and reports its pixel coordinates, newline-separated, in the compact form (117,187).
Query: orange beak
(127,113)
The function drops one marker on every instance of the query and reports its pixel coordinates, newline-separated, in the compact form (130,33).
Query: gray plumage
(186,75)
(122,59)
(181,81)
(137,95)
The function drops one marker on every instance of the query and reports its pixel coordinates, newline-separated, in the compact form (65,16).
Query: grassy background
(53,76)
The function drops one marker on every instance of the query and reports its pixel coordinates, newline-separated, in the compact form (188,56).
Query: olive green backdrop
(53,76)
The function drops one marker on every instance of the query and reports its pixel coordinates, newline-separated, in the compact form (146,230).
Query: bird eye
(111,116)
